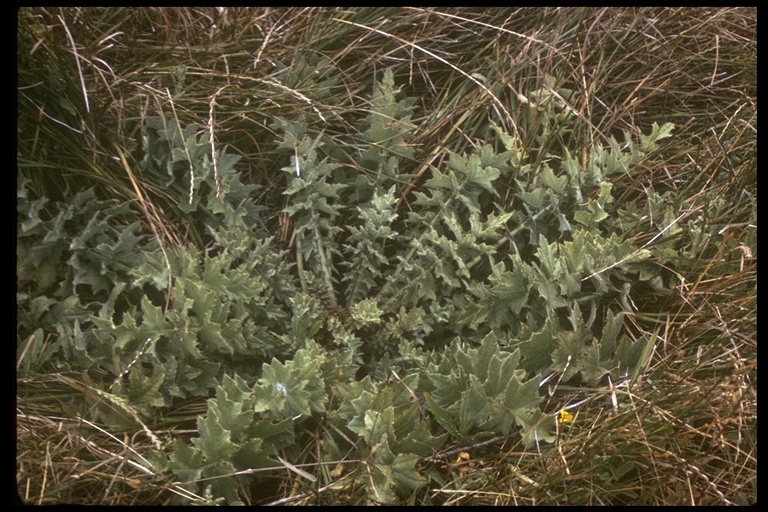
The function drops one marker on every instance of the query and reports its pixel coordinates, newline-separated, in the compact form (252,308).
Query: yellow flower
(565,417)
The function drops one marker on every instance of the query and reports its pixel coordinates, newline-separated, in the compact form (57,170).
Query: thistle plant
(401,280)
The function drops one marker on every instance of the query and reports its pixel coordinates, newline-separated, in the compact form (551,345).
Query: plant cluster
(353,319)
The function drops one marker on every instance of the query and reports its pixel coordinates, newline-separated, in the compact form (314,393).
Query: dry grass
(685,434)
(62,457)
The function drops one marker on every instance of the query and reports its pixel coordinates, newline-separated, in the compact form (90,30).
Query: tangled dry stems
(688,431)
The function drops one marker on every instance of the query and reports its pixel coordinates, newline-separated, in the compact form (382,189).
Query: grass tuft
(684,433)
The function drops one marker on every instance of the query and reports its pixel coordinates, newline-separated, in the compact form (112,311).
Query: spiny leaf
(442,416)
(648,142)
(473,406)
(215,440)
(187,461)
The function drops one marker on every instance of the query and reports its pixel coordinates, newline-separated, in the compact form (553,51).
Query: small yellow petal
(565,417)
